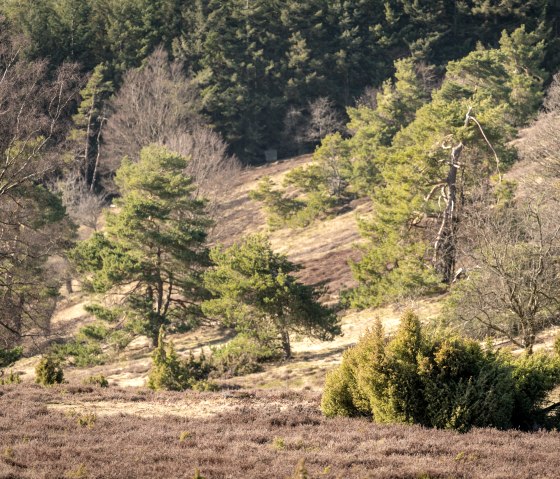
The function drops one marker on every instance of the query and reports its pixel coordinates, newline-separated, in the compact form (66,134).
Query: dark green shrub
(171,373)
(464,386)
(119,339)
(242,355)
(279,208)
(97,380)
(440,382)
(93,332)
(84,353)
(10,356)
(103,313)
(48,371)
(535,376)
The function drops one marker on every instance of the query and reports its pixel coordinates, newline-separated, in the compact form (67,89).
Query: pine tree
(155,242)
(412,233)
(242,73)
(256,293)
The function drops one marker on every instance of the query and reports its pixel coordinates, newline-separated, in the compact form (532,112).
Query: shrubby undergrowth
(171,373)
(440,382)
(49,371)
(242,355)
(10,356)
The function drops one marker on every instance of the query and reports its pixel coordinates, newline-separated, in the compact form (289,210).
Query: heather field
(73,431)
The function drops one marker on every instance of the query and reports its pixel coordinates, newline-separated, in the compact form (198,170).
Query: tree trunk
(445,248)
(285,337)
(69,288)
(98,156)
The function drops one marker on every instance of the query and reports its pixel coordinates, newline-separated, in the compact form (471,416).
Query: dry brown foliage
(266,436)
(541,143)
(158,104)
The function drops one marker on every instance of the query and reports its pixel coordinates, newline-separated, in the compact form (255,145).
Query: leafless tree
(368,98)
(158,104)
(154,103)
(512,288)
(294,132)
(35,106)
(33,113)
(540,143)
(324,119)
(82,204)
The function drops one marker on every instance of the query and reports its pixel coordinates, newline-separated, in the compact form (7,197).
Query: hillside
(323,249)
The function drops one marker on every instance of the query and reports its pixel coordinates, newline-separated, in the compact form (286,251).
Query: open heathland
(72,431)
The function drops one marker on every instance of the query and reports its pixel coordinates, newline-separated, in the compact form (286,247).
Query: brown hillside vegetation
(323,248)
(258,435)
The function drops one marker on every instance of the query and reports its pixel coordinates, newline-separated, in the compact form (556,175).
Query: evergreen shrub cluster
(242,355)
(450,383)
(49,371)
(11,378)
(169,372)
(97,380)
(10,356)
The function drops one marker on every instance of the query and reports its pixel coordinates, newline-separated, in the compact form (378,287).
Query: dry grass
(259,435)
(323,249)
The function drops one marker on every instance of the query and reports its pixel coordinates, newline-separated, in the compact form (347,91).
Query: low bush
(557,345)
(119,339)
(10,356)
(92,332)
(242,355)
(171,373)
(85,348)
(82,353)
(97,380)
(103,313)
(280,209)
(440,382)
(49,371)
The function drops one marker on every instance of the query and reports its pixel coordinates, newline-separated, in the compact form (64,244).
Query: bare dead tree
(83,205)
(154,104)
(294,129)
(540,143)
(324,119)
(368,98)
(511,290)
(445,245)
(212,168)
(158,104)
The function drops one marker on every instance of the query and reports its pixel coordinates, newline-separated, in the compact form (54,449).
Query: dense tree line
(257,61)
